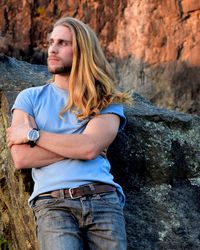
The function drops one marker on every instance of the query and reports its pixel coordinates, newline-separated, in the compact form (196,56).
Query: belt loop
(62,193)
(92,188)
(32,203)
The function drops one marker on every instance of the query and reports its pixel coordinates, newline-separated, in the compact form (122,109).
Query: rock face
(153,45)
(156,159)
(16,219)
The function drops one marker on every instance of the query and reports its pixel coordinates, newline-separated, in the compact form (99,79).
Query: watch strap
(32,144)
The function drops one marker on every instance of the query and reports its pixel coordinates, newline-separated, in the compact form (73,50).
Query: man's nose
(53,48)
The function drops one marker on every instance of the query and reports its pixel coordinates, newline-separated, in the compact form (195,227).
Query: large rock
(153,45)
(156,159)
(16,219)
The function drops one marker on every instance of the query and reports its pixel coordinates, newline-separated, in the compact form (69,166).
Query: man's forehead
(61,32)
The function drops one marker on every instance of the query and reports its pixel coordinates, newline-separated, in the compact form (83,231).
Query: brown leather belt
(78,192)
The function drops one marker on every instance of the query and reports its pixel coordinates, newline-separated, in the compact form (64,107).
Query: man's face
(60,54)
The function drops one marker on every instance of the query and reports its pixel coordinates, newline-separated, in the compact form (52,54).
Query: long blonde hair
(92,84)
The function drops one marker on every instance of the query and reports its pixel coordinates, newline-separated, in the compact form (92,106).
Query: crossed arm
(51,147)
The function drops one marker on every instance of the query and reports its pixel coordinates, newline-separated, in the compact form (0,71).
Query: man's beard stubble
(60,70)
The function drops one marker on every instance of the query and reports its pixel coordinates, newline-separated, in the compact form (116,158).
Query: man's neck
(62,81)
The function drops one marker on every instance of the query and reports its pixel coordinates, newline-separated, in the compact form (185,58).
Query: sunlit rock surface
(156,159)
(153,45)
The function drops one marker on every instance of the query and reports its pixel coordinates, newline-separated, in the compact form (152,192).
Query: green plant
(3,244)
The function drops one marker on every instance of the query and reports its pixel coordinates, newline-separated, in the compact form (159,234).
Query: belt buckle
(71,195)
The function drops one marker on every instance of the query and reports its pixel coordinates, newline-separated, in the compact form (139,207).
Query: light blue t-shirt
(44,104)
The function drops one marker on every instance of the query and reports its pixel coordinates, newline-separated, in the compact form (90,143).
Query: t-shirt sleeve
(23,102)
(118,110)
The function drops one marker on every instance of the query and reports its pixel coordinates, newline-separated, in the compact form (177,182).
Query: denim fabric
(95,223)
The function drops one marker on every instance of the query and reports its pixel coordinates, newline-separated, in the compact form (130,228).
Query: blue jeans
(94,222)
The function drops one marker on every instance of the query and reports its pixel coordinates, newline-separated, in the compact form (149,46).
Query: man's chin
(60,70)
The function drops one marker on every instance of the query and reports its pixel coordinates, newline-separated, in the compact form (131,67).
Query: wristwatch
(33,135)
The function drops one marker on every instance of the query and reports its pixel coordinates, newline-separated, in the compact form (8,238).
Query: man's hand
(17,134)
(22,153)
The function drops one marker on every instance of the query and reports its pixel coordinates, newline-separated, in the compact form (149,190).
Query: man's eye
(63,43)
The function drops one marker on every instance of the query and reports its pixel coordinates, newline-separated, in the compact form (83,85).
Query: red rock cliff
(153,45)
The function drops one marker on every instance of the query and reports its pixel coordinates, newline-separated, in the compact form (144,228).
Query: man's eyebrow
(59,40)
(64,40)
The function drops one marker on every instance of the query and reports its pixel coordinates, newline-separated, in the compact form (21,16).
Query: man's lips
(53,59)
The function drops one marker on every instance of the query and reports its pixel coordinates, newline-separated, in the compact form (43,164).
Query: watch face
(33,135)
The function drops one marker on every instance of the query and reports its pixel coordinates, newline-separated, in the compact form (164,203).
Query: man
(62,131)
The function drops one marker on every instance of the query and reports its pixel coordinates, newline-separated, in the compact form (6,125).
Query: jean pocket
(44,203)
(110,198)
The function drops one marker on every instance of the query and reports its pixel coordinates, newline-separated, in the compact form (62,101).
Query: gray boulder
(156,159)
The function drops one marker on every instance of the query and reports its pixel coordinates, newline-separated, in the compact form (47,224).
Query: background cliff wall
(153,45)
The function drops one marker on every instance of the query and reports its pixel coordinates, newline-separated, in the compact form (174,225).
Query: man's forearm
(98,135)
(26,157)
(74,146)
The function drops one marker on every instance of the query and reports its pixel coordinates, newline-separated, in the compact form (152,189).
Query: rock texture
(153,45)
(16,219)
(156,159)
